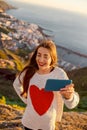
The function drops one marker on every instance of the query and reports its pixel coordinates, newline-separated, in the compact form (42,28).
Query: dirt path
(10,119)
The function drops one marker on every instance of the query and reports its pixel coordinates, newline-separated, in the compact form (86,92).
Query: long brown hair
(32,67)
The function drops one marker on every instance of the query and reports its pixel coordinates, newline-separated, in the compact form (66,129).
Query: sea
(68,29)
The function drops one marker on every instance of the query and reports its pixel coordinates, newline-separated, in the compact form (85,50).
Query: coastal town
(23,35)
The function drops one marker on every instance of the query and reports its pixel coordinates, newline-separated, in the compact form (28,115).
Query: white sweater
(44,108)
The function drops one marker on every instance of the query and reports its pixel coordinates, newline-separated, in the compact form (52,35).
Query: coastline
(71,51)
(71,58)
(68,59)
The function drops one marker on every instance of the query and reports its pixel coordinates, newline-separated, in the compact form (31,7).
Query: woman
(44,108)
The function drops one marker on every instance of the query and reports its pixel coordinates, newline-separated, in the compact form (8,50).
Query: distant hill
(4,5)
(79,77)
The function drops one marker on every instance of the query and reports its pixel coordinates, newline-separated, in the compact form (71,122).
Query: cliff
(4,6)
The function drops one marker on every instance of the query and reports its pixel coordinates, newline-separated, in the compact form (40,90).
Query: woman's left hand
(68,91)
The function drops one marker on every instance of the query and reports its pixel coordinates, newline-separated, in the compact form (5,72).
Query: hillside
(4,5)
(79,78)
(11,114)
(10,119)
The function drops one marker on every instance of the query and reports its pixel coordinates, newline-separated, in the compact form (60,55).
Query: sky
(70,5)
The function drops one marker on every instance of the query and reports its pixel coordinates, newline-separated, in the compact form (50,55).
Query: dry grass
(10,119)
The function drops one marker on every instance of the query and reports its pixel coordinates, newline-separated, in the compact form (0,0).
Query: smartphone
(56,84)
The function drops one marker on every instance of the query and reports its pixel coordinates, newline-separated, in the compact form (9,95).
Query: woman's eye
(46,57)
(38,55)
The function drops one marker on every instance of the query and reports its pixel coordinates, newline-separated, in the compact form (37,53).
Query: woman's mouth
(41,64)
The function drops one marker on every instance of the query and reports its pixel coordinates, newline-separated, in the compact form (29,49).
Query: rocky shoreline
(70,59)
(10,119)
(77,53)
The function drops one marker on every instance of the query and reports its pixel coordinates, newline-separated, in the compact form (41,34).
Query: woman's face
(43,59)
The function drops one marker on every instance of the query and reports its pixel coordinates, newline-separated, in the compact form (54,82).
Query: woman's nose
(41,59)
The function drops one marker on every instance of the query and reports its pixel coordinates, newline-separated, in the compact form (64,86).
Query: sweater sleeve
(73,102)
(19,89)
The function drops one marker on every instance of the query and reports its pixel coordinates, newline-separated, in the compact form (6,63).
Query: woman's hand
(68,91)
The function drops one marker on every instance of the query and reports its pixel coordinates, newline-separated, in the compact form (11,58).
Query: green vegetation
(11,56)
(3,55)
(8,95)
(16,59)
(79,78)
(4,30)
(19,58)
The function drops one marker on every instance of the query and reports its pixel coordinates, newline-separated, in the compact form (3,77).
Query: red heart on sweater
(41,99)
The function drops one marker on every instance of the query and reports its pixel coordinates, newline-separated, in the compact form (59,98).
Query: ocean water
(68,29)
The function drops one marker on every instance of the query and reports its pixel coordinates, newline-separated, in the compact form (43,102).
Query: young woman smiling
(43,108)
